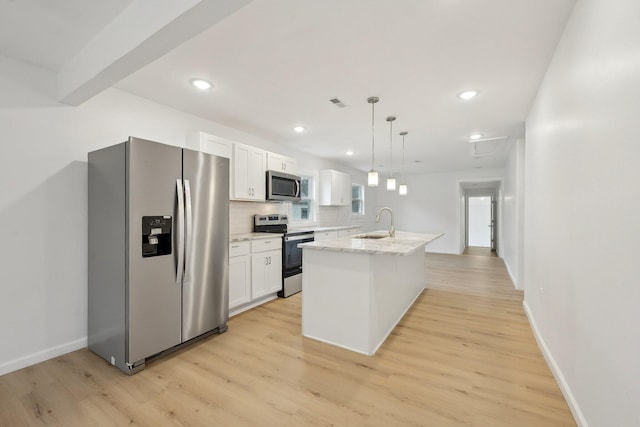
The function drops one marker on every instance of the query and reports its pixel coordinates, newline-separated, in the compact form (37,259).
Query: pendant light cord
(403,158)
(373,134)
(391,149)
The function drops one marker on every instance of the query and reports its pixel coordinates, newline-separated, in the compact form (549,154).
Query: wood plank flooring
(479,251)
(463,355)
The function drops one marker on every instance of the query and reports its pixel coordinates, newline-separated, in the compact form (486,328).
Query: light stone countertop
(321,229)
(404,243)
(252,236)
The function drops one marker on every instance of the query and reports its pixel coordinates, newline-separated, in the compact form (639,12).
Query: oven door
(292,254)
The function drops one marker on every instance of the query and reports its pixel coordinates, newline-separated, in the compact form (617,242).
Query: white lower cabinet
(239,280)
(255,272)
(266,268)
(324,235)
(239,273)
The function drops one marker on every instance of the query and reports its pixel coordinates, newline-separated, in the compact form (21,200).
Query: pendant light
(372,177)
(402,189)
(391,181)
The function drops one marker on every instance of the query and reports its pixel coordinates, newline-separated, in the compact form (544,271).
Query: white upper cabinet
(248,167)
(280,163)
(209,144)
(335,188)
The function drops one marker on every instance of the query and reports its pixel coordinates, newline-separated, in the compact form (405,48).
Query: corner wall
(512,250)
(581,211)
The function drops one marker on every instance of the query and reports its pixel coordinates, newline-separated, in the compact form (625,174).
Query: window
(357,199)
(303,210)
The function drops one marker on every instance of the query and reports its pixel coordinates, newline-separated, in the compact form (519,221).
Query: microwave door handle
(297,188)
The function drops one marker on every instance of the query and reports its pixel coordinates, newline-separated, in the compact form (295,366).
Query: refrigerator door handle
(189,228)
(179,231)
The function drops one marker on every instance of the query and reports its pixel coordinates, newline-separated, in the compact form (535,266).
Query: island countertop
(404,243)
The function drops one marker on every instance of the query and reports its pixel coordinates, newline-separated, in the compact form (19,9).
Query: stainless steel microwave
(283,187)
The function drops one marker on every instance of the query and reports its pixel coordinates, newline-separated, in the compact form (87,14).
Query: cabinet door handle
(266,261)
(235,246)
(269,260)
(267,242)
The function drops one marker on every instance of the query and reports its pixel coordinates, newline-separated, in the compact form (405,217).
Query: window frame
(362,199)
(313,205)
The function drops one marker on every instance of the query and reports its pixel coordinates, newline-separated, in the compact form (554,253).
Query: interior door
(479,221)
(205,287)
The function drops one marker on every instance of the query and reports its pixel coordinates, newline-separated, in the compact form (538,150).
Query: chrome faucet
(392,229)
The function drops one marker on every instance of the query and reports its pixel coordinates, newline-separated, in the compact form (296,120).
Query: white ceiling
(275,64)
(49,33)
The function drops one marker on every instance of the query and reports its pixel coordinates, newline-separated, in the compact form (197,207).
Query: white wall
(43,202)
(432,205)
(582,286)
(512,229)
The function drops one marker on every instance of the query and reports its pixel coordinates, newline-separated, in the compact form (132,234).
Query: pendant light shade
(391,184)
(372,177)
(391,181)
(403,189)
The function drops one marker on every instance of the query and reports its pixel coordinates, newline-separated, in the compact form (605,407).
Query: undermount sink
(370,236)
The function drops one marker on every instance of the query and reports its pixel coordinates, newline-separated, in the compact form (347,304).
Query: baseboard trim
(247,306)
(41,356)
(555,370)
(513,279)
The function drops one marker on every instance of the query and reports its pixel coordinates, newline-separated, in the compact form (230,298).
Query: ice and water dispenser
(156,235)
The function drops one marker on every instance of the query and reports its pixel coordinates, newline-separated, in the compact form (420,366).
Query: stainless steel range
(291,254)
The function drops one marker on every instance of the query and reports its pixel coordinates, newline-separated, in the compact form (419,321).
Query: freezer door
(205,289)
(153,296)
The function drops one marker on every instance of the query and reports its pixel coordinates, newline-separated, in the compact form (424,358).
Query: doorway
(479,225)
(480,213)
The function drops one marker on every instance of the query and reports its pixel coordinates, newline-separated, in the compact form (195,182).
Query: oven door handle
(309,238)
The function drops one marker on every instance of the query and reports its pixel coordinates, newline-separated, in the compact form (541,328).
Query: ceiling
(275,64)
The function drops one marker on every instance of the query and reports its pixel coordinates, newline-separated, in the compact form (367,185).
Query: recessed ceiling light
(201,84)
(475,136)
(467,94)
(299,129)
(350,153)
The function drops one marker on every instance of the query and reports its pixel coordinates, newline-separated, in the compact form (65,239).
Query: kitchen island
(356,289)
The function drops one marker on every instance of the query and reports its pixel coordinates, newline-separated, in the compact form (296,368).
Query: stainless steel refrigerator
(158,250)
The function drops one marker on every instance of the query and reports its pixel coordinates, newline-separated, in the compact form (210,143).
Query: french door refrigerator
(158,250)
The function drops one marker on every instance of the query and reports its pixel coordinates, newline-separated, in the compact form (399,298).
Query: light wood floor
(463,355)
(479,251)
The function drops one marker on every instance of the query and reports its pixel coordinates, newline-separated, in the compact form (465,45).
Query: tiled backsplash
(241,214)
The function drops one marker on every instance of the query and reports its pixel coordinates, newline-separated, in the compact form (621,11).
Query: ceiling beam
(142,33)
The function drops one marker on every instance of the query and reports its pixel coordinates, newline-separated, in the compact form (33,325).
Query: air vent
(337,102)
(486,147)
